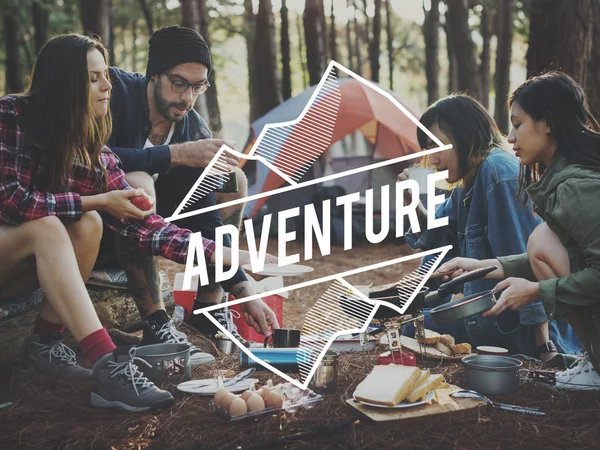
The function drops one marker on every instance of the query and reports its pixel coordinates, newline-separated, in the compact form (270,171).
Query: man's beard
(164,107)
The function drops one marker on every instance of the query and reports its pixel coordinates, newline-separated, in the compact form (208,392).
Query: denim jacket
(487,221)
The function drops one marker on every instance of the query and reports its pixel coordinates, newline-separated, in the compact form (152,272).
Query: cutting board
(446,405)
(427,351)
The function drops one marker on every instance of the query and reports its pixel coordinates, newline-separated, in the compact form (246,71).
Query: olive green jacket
(567,197)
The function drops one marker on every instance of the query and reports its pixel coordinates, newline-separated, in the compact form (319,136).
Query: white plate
(209,386)
(285,271)
(401,404)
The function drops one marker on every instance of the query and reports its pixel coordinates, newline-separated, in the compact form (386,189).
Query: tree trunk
(112,61)
(12,45)
(286,73)
(250,31)
(486,34)
(95,18)
(349,41)
(302,52)
(40,13)
(134,48)
(503,61)
(431,33)
(332,36)
(460,36)
(266,55)
(593,69)
(390,42)
(367,36)
(561,37)
(313,35)
(357,51)
(375,44)
(452,63)
(324,34)
(190,17)
(147,16)
(212,101)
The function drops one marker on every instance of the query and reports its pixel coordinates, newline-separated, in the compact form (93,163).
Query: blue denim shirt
(487,221)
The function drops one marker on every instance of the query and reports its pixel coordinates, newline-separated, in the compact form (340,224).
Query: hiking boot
(154,333)
(53,358)
(118,383)
(581,376)
(225,318)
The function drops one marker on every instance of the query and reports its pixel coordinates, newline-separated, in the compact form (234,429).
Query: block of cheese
(387,385)
(431,337)
(424,388)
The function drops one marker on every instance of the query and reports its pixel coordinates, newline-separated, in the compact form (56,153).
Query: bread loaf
(447,340)
(442,348)
(387,385)
(462,348)
(424,388)
(431,337)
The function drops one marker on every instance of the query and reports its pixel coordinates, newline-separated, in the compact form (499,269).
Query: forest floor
(43,415)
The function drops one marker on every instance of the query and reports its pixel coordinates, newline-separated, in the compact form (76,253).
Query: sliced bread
(424,388)
(387,385)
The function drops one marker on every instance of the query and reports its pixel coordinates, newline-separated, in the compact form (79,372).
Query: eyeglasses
(182,86)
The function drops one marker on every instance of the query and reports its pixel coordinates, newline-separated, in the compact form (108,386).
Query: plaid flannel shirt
(20,199)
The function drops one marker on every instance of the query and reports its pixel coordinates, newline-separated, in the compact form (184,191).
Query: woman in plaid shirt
(56,180)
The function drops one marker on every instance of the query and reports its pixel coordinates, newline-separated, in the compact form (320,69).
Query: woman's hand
(517,292)
(259,316)
(118,204)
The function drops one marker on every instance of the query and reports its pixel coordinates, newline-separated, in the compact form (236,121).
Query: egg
(238,407)
(219,396)
(264,391)
(273,400)
(247,394)
(226,401)
(255,403)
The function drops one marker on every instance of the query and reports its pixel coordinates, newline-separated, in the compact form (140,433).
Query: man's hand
(201,153)
(517,292)
(256,312)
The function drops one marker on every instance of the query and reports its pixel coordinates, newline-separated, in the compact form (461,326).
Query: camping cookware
(284,338)
(325,377)
(169,362)
(497,375)
(424,297)
(464,307)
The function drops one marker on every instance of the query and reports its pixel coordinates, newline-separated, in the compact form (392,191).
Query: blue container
(284,359)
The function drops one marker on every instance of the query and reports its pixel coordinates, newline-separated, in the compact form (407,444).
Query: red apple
(143,202)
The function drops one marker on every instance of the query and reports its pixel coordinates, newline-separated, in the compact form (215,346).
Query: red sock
(42,326)
(96,345)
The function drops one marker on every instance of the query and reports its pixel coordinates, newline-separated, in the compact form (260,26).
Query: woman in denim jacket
(486,220)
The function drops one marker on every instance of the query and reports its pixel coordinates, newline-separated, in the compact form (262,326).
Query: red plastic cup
(488,350)
(403,358)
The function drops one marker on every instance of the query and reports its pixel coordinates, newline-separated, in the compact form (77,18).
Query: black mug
(284,337)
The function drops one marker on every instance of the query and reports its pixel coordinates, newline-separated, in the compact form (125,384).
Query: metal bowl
(488,374)
(170,362)
(463,307)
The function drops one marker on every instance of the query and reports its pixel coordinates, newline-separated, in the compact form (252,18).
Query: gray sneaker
(154,333)
(54,358)
(117,383)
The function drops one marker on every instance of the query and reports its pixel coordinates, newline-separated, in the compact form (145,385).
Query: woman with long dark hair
(558,141)
(486,220)
(56,179)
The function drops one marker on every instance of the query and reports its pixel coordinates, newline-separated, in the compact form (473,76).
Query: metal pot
(464,307)
(496,375)
(170,362)
(325,377)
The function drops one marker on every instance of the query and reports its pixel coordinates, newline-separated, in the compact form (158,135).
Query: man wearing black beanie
(156,131)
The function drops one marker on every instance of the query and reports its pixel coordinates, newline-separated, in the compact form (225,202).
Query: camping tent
(368,127)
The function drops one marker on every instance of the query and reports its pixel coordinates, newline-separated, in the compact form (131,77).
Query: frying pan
(389,293)
(464,307)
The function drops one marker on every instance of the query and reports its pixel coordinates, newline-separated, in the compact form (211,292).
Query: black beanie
(176,45)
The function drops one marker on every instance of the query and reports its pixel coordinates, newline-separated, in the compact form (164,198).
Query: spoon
(465,393)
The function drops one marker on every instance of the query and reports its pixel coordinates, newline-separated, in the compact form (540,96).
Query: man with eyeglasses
(164,146)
